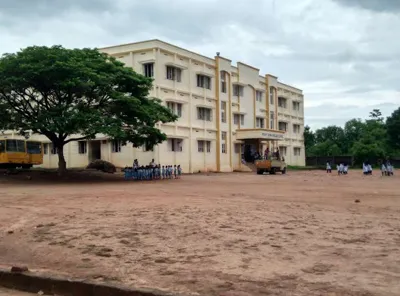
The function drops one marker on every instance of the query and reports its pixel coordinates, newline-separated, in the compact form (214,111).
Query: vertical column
(231,145)
(218,150)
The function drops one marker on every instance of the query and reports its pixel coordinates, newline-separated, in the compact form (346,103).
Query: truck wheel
(272,171)
(260,172)
(284,171)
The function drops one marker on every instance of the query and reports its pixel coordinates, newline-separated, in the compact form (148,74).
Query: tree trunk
(62,164)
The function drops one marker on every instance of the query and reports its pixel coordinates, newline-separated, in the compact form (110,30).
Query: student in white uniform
(328,167)
(384,170)
(365,169)
(369,169)
(341,169)
(345,169)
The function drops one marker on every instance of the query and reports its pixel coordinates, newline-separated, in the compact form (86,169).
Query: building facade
(223,110)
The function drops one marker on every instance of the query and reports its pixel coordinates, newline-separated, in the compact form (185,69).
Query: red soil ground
(218,234)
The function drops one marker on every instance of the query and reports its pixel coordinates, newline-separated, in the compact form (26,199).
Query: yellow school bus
(15,153)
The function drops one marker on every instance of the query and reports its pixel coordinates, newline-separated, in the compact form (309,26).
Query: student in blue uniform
(175,172)
(179,171)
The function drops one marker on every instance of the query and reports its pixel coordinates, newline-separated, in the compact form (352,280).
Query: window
(82,147)
(271,95)
(15,145)
(282,103)
(2,146)
(237,90)
(237,118)
(282,150)
(45,148)
(237,148)
(176,108)
(204,114)
(259,122)
(282,126)
(116,146)
(54,149)
(259,96)
(296,151)
(223,136)
(223,83)
(174,73)
(223,111)
(223,147)
(203,81)
(296,106)
(201,144)
(148,69)
(175,145)
(147,147)
(272,120)
(34,147)
(296,129)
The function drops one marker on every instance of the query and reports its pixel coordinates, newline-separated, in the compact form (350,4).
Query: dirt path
(222,234)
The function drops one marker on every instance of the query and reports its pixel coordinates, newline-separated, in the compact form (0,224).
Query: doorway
(95,150)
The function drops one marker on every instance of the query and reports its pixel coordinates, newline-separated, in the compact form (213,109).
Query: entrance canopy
(259,133)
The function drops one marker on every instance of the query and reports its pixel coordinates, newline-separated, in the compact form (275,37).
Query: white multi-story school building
(223,110)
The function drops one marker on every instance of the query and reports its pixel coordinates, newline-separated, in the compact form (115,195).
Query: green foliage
(74,94)
(370,139)
(309,137)
(393,129)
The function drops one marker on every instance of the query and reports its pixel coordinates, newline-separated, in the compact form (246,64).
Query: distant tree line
(374,138)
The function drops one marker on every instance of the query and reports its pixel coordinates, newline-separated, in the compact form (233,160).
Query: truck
(271,166)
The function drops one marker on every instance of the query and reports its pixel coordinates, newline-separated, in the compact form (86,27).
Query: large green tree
(393,129)
(74,94)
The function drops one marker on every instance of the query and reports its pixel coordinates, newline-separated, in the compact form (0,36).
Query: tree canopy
(74,94)
(374,138)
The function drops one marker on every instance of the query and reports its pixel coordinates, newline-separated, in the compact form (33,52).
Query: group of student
(152,171)
(387,169)
(343,168)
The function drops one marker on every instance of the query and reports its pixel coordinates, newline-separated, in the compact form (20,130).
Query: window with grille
(296,106)
(259,96)
(223,148)
(174,73)
(203,81)
(296,128)
(175,145)
(82,147)
(176,108)
(238,90)
(282,126)
(272,120)
(116,146)
(238,118)
(208,146)
(296,151)
(200,146)
(223,82)
(223,111)
(54,149)
(223,136)
(148,69)
(204,146)
(282,103)
(204,114)
(283,150)
(271,95)
(260,122)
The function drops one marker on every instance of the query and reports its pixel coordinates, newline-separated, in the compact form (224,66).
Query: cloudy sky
(344,54)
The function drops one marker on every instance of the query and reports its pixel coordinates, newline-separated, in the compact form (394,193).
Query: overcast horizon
(344,54)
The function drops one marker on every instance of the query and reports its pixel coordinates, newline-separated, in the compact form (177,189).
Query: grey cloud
(374,5)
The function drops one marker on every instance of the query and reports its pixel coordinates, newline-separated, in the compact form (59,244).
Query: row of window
(175,74)
(204,81)
(174,145)
(283,126)
(282,103)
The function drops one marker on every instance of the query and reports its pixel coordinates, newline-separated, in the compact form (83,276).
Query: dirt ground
(7,292)
(218,234)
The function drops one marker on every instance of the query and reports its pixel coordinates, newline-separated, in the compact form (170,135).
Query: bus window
(34,147)
(2,146)
(15,146)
